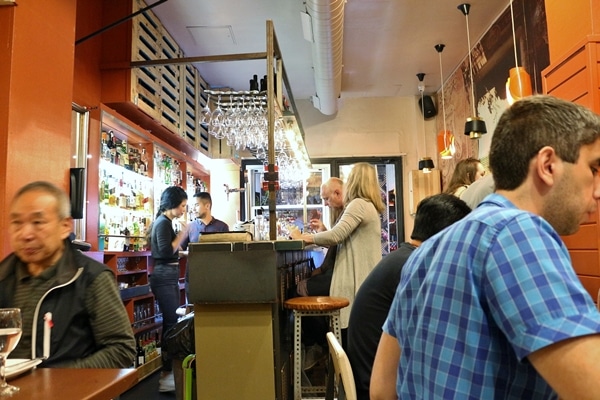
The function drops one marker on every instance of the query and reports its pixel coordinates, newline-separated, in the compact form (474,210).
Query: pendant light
(445,138)
(425,163)
(475,126)
(518,84)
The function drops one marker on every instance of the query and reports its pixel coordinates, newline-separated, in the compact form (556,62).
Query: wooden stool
(313,306)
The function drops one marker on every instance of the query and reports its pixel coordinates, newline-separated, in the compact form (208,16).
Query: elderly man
(46,276)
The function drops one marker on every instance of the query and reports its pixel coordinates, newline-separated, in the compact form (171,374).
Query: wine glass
(10,333)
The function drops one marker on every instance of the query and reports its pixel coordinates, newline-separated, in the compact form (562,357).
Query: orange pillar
(36,91)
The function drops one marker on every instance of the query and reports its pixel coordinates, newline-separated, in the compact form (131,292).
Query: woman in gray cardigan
(357,235)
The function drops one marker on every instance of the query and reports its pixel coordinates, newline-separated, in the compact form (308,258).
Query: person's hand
(317,225)
(295,232)
(183,223)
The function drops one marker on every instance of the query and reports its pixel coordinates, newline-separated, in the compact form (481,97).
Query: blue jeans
(164,283)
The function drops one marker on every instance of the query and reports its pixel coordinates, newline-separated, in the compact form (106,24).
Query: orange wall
(569,22)
(39,62)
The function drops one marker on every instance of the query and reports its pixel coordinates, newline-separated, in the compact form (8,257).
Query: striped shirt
(475,300)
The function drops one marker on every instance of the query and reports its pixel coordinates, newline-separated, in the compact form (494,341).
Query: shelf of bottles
(168,171)
(126,202)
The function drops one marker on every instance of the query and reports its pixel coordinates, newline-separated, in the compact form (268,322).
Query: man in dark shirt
(374,298)
(203,223)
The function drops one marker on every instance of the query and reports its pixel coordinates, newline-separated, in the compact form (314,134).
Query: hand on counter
(297,235)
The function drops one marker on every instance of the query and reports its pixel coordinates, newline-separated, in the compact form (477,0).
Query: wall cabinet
(132,170)
(576,77)
(169,95)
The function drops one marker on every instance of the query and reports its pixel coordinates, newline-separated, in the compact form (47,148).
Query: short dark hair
(434,213)
(532,123)
(204,196)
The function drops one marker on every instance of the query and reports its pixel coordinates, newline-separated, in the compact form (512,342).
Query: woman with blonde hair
(357,234)
(466,172)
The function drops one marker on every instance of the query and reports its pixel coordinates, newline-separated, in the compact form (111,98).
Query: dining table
(74,383)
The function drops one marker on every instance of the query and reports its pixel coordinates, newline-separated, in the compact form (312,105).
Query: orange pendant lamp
(518,84)
(445,138)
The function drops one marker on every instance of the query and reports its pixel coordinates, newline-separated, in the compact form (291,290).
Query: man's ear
(546,164)
(66,227)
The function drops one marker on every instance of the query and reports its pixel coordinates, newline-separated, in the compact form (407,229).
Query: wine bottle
(141,354)
(158,344)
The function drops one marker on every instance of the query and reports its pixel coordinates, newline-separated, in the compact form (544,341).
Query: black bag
(179,340)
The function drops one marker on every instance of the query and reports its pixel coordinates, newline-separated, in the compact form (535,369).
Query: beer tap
(232,190)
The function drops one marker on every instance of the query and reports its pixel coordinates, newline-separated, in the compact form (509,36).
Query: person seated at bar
(204,222)
(71,309)
(320,280)
(491,308)
(478,190)
(374,298)
(318,283)
(465,173)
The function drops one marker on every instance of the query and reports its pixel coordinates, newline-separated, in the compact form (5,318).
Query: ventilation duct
(328,33)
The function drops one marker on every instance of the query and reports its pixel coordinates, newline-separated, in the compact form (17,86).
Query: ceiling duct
(328,32)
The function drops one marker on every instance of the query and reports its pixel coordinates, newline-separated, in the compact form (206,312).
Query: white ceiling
(386,42)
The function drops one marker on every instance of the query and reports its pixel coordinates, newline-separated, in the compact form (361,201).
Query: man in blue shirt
(203,223)
(491,307)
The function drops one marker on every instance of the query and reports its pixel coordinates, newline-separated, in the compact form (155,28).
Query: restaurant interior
(318,85)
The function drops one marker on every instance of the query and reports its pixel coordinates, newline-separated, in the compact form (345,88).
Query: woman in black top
(164,280)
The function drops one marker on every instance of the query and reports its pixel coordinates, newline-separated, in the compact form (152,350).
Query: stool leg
(297,356)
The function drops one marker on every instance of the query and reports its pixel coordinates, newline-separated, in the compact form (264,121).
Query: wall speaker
(427,107)
(77,190)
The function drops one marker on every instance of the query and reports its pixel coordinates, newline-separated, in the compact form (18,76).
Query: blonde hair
(363,184)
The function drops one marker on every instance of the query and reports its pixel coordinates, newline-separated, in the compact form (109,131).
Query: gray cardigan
(358,236)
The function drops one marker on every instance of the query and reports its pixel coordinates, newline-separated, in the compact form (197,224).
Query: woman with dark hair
(164,280)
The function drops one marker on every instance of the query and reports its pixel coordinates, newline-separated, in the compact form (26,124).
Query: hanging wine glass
(215,127)
(206,113)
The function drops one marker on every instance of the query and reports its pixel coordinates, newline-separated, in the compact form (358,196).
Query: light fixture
(425,163)
(475,126)
(518,84)
(445,138)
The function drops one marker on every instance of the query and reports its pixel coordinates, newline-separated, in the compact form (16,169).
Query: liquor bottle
(143,166)
(141,354)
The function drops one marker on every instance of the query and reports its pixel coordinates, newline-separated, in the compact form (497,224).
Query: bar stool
(314,306)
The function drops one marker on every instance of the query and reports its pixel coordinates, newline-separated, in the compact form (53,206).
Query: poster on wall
(493,56)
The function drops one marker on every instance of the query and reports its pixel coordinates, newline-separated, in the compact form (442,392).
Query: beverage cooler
(297,201)
(300,201)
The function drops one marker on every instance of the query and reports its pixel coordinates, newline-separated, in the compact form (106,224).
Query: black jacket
(72,336)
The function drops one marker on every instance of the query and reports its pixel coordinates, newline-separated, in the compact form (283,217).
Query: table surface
(71,383)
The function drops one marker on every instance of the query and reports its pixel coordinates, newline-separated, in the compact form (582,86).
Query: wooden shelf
(149,368)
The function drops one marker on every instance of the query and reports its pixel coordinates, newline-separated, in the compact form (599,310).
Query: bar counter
(243,334)
(72,383)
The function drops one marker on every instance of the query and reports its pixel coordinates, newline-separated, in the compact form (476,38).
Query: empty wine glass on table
(10,333)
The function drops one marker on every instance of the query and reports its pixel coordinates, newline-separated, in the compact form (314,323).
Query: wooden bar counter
(242,331)
(71,383)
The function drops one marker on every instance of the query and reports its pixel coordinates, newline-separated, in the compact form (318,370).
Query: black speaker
(77,190)
(427,107)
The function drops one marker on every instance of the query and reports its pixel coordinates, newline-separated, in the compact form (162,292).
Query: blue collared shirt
(197,227)
(476,299)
